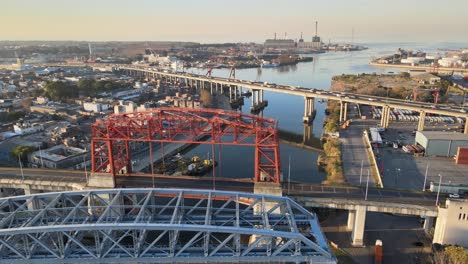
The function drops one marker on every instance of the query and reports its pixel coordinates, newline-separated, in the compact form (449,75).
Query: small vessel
(267,64)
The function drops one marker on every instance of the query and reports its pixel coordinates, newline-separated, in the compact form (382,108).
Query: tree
(206,98)
(86,87)
(60,90)
(451,255)
(21,152)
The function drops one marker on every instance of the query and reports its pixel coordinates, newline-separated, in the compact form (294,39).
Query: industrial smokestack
(316,28)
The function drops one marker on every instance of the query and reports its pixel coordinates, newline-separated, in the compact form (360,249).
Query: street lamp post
(438,189)
(21,167)
(367,184)
(360,176)
(397,175)
(289,174)
(425,177)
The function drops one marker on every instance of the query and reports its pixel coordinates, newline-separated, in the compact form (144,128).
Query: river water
(238,162)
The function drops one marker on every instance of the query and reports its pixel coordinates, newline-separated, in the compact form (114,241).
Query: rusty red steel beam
(111,151)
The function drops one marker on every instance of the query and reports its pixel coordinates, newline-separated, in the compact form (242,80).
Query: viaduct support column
(211,88)
(351,218)
(387,118)
(252,97)
(32,205)
(422,119)
(308,109)
(428,224)
(382,117)
(341,111)
(345,106)
(466,126)
(357,234)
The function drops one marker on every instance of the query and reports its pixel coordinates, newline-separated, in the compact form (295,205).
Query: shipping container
(378,252)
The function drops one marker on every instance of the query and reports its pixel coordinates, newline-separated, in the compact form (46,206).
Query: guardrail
(373,159)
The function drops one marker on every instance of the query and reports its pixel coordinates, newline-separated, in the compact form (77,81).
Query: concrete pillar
(387,118)
(345,111)
(428,224)
(267,188)
(382,117)
(422,119)
(32,204)
(311,106)
(230,93)
(466,126)
(252,97)
(357,234)
(211,88)
(261,96)
(341,111)
(351,218)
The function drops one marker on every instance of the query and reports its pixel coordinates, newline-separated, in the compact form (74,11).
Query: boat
(267,64)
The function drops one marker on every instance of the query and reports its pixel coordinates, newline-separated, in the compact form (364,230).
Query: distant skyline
(234,21)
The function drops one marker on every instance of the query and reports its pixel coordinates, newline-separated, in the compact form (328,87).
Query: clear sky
(234,20)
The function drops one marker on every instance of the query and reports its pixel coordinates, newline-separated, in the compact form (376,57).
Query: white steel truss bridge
(158,226)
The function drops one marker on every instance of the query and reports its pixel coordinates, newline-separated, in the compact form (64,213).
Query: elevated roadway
(11,178)
(307,93)
(356,200)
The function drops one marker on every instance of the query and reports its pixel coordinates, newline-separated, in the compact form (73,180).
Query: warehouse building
(442,144)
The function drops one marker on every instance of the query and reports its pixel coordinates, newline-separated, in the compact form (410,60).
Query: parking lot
(403,170)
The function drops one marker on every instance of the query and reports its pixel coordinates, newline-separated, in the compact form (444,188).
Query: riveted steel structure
(158,226)
(111,138)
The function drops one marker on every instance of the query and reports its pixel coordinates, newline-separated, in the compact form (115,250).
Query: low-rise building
(427,78)
(95,107)
(23,129)
(443,144)
(59,156)
(124,107)
(452,223)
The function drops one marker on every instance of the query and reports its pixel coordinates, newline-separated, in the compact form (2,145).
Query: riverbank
(419,67)
(331,162)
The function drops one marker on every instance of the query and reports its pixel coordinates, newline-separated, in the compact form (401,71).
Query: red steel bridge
(112,138)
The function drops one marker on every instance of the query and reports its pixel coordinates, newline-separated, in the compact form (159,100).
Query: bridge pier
(428,224)
(257,100)
(101,180)
(359,222)
(32,204)
(385,118)
(308,110)
(422,119)
(351,218)
(466,126)
(267,188)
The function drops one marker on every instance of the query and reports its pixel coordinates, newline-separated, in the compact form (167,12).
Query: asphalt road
(355,152)
(241,185)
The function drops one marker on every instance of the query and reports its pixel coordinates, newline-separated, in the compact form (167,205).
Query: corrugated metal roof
(431,135)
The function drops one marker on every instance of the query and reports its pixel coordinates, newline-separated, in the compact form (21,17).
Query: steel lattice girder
(110,137)
(158,225)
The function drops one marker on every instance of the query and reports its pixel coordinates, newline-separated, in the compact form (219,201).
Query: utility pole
(438,189)
(40,155)
(360,176)
(367,184)
(289,174)
(21,167)
(86,169)
(425,178)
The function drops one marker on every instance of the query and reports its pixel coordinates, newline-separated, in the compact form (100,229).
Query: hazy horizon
(210,21)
